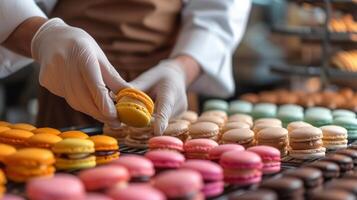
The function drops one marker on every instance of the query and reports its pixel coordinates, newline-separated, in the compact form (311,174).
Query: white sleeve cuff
(214,58)
(14,12)
(11,62)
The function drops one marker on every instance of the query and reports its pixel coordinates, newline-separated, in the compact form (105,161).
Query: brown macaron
(204,130)
(242,136)
(274,136)
(330,170)
(178,129)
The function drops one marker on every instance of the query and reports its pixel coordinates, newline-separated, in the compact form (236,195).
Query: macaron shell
(213,189)
(23,174)
(137,165)
(47,130)
(136,192)
(165,158)
(30,157)
(73,145)
(137,94)
(203,129)
(100,160)
(6,150)
(22,126)
(103,142)
(4,123)
(241,160)
(209,170)
(43,140)
(133,114)
(15,137)
(166,142)
(74,134)
(216,152)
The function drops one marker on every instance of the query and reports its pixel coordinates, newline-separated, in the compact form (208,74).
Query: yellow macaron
(29,163)
(6,150)
(15,137)
(43,140)
(134,107)
(22,126)
(4,123)
(106,148)
(74,134)
(74,153)
(47,130)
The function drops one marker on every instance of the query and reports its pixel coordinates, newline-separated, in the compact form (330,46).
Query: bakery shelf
(300,70)
(315,34)
(343,5)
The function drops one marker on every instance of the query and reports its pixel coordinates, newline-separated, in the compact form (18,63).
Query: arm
(211,31)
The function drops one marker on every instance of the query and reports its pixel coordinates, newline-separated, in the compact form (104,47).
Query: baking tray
(343,5)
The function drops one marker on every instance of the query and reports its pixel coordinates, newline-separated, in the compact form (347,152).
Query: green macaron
(264,110)
(240,107)
(343,113)
(348,123)
(215,104)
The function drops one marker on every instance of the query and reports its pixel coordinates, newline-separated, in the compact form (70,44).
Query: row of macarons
(286,113)
(227,161)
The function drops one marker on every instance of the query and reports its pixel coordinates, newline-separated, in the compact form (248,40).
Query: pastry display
(345,60)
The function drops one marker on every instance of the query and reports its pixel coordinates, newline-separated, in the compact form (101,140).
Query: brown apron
(134,34)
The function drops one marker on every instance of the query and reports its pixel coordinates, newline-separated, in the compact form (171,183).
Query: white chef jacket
(210,33)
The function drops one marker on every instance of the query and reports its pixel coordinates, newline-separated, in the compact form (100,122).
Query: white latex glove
(74,67)
(166,83)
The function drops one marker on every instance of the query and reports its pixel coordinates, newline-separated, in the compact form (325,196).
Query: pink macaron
(59,187)
(199,148)
(165,159)
(136,192)
(97,196)
(103,177)
(216,152)
(140,168)
(270,157)
(212,175)
(241,167)
(11,197)
(166,142)
(180,184)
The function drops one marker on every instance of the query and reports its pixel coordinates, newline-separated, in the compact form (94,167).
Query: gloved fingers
(165,102)
(111,77)
(180,105)
(91,74)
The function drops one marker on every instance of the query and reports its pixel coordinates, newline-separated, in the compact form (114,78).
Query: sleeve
(12,14)
(210,32)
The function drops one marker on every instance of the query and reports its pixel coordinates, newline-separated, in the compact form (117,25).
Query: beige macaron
(178,129)
(274,136)
(242,136)
(204,130)
(298,124)
(241,118)
(234,125)
(272,121)
(334,137)
(217,113)
(189,115)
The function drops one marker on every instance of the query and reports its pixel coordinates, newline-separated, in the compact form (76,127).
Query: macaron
(242,136)
(318,116)
(179,129)
(239,107)
(214,119)
(352,153)
(216,113)
(106,148)
(47,130)
(212,175)
(199,148)
(343,113)
(306,143)
(136,192)
(348,185)
(2,183)
(166,142)
(140,168)
(274,122)
(134,107)
(60,187)
(74,153)
(330,170)
(234,125)
(241,118)
(190,116)
(333,194)
(285,187)
(344,162)
(334,137)
(204,130)
(291,107)
(270,157)
(28,163)
(216,152)
(165,159)
(74,134)
(348,123)
(312,179)
(287,116)
(139,137)
(298,124)
(22,126)
(15,137)
(5,150)
(275,137)
(43,140)
(215,104)
(241,167)
(250,97)
(263,125)
(104,177)
(188,183)
(264,110)
(118,133)
(4,123)
(97,196)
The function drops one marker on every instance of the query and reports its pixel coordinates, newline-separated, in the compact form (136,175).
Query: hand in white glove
(74,67)
(166,82)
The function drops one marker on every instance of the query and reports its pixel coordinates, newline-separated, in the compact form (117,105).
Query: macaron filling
(105,153)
